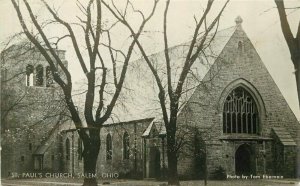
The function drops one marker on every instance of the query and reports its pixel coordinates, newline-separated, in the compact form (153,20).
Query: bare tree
(292,41)
(170,95)
(95,112)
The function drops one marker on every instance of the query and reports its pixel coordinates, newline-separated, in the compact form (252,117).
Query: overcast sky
(260,22)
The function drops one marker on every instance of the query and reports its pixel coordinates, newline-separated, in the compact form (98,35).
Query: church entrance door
(244,160)
(38,162)
(154,163)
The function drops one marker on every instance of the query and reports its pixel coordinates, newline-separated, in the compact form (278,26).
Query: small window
(39,76)
(240,46)
(52,157)
(126,146)
(29,75)
(30,146)
(108,147)
(22,158)
(68,149)
(49,79)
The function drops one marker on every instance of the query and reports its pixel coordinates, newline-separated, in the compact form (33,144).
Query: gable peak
(238,20)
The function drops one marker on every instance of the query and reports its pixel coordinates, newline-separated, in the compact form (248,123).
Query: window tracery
(240,114)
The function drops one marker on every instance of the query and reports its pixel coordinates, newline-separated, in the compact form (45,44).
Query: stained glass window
(240,113)
(126,146)
(108,147)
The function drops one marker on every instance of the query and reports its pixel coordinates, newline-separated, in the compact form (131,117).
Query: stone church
(233,119)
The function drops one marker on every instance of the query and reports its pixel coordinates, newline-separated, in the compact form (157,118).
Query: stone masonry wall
(133,167)
(235,68)
(29,113)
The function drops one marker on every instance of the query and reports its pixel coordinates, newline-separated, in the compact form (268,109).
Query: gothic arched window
(68,150)
(49,79)
(108,147)
(79,149)
(29,75)
(126,146)
(240,114)
(39,81)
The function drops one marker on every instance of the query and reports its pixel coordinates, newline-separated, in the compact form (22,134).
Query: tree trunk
(205,165)
(172,168)
(172,159)
(90,156)
(297,75)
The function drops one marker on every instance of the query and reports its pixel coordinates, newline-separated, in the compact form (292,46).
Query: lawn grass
(123,182)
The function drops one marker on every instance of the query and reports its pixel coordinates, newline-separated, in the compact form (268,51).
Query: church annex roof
(284,137)
(52,136)
(158,125)
(48,141)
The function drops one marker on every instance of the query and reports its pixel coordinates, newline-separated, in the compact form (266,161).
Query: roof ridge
(48,140)
(182,44)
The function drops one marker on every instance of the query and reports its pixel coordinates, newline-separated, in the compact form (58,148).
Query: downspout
(135,150)
(144,159)
(73,153)
(264,152)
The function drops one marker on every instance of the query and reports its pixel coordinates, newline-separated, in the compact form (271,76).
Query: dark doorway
(154,164)
(38,162)
(244,160)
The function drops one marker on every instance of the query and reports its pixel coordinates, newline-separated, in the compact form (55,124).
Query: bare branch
(81,7)
(190,59)
(61,38)
(126,7)
(137,11)
(113,49)
(209,4)
(88,28)
(53,53)
(112,59)
(166,51)
(73,38)
(115,7)
(126,61)
(38,45)
(298,34)
(286,30)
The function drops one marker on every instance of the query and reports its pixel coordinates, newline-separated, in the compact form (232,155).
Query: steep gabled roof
(284,136)
(158,125)
(62,124)
(139,97)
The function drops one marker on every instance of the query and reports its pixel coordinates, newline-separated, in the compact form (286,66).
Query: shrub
(219,173)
